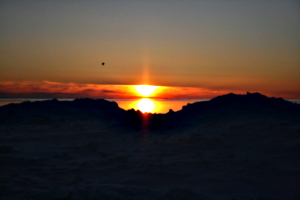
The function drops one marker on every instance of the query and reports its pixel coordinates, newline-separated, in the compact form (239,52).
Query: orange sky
(47,89)
(198,49)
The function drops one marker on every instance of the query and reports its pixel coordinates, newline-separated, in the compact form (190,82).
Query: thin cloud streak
(49,89)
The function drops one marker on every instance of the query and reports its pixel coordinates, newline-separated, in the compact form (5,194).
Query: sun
(146,105)
(145,90)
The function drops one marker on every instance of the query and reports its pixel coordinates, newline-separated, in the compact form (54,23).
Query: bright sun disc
(145,105)
(145,90)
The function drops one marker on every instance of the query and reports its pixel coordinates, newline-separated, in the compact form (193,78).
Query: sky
(194,49)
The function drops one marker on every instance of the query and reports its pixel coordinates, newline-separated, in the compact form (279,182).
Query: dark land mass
(231,147)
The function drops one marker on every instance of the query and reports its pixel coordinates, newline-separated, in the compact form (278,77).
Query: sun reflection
(145,105)
(145,90)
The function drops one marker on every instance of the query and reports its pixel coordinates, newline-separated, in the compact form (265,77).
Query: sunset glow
(142,99)
(145,90)
(49,89)
(145,105)
(55,49)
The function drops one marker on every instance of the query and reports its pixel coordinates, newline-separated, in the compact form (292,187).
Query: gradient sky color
(213,46)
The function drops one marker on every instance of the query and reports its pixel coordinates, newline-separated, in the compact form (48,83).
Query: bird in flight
(103,63)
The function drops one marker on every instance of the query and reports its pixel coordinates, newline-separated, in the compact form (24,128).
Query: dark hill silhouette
(219,108)
(228,107)
(53,111)
(234,101)
(231,147)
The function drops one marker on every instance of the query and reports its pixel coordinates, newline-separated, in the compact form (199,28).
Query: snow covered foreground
(232,147)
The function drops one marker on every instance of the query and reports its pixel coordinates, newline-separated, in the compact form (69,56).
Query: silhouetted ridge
(234,101)
(222,107)
(250,98)
(249,107)
(58,111)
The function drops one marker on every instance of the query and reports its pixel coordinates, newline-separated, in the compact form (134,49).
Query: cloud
(49,89)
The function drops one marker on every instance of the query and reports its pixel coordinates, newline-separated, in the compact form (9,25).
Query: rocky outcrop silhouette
(251,106)
(235,106)
(248,102)
(52,111)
